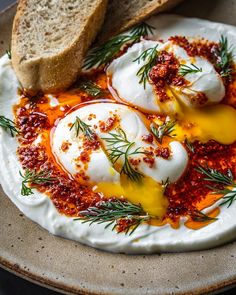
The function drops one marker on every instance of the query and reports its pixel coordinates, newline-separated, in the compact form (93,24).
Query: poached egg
(94,166)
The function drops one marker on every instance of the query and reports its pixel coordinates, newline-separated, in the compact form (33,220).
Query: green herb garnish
(149,56)
(90,88)
(189,145)
(224,58)
(119,146)
(163,130)
(165,184)
(201,217)
(184,69)
(33,177)
(81,126)
(224,180)
(9,126)
(113,211)
(103,54)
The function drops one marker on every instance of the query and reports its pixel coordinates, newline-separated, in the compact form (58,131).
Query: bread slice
(123,14)
(50,39)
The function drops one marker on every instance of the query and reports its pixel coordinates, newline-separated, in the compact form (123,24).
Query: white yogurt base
(146,239)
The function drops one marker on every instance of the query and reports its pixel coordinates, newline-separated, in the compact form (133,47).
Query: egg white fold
(130,122)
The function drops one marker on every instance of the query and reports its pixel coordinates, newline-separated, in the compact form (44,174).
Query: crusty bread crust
(123,14)
(55,72)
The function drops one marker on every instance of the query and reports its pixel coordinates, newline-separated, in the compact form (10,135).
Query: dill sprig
(33,177)
(90,88)
(149,56)
(216,176)
(8,52)
(189,145)
(142,30)
(165,184)
(103,54)
(119,146)
(113,211)
(225,180)
(229,196)
(224,58)
(9,126)
(163,130)
(184,69)
(81,126)
(201,217)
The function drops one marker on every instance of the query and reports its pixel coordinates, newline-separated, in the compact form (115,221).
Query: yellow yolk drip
(209,123)
(149,194)
(214,122)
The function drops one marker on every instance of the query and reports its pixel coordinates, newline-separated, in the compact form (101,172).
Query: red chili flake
(82,175)
(198,99)
(65,146)
(84,156)
(91,144)
(32,157)
(165,72)
(147,138)
(178,81)
(207,50)
(31,122)
(134,162)
(183,42)
(162,152)
(123,224)
(91,116)
(109,124)
(149,159)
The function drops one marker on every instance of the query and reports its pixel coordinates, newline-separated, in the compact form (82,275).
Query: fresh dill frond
(142,30)
(119,146)
(163,130)
(103,54)
(189,145)
(127,169)
(33,177)
(201,217)
(113,211)
(90,88)
(184,69)
(81,126)
(225,180)
(216,176)
(149,56)
(224,58)
(9,126)
(229,196)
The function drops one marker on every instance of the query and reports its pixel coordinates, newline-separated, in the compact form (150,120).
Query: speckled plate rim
(52,285)
(66,289)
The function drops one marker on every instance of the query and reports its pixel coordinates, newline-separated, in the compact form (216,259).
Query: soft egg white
(124,79)
(206,81)
(132,124)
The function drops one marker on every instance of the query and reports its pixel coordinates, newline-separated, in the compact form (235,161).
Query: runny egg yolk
(149,194)
(209,123)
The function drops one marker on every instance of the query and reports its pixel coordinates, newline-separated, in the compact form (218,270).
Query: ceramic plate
(30,252)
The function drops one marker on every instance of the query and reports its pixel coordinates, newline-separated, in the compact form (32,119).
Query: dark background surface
(12,285)
(5,3)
